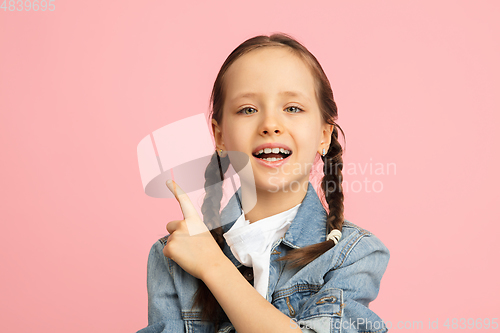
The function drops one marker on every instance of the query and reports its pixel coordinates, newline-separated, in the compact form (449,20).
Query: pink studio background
(416,84)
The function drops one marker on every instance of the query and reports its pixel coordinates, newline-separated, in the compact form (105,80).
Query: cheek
(232,140)
(310,142)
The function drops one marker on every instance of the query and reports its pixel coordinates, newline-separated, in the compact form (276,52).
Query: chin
(279,183)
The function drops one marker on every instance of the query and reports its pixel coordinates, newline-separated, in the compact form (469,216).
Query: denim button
(247,272)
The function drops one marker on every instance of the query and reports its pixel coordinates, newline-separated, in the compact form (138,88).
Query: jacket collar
(307,228)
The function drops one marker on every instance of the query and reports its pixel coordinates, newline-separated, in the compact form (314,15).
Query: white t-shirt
(251,243)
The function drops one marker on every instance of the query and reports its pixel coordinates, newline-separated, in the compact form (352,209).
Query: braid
(214,175)
(331,185)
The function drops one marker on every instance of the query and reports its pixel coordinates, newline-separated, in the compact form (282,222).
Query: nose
(277,131)
(271,125)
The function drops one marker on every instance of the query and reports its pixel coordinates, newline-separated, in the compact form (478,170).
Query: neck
(271,203)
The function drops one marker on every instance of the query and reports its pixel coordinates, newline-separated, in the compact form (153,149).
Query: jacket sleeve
(341,305)
(164,310)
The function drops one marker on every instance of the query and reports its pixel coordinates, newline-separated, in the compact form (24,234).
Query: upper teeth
(273,150)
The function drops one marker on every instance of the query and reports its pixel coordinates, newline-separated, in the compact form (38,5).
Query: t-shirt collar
(307,228)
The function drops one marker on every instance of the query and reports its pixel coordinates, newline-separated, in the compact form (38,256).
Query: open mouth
(272,154)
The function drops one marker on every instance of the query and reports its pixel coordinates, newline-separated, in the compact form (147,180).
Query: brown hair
(331,183)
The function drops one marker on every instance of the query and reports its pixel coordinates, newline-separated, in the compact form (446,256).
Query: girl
(287,265)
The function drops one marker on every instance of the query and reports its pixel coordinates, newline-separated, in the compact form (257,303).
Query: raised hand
(190,243)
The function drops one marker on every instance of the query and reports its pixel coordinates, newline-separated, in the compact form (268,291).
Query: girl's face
(270,100)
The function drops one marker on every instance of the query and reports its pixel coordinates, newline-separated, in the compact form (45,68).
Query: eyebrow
(285,93)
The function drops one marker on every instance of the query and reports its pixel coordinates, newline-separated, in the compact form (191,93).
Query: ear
(326,138)
(219,140)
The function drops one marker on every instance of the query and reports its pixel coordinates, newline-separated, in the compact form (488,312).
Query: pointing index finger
(187,207)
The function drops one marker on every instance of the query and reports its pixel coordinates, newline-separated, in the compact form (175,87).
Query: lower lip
(272,164)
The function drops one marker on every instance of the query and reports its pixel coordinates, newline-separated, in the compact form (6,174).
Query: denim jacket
(330,294)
